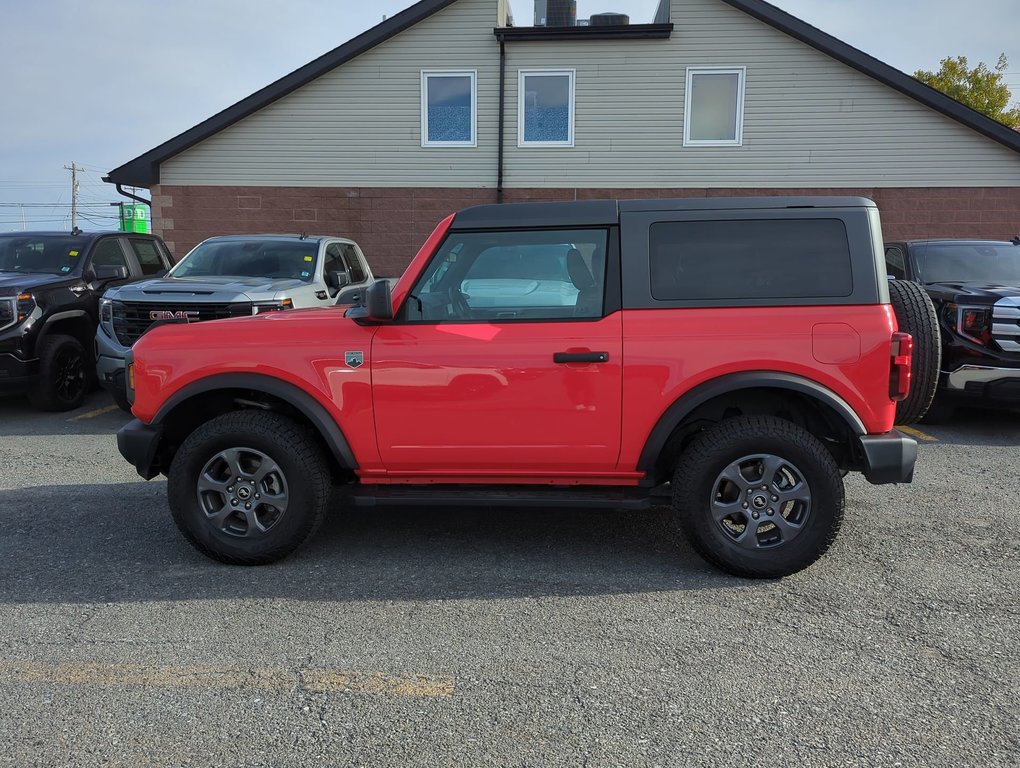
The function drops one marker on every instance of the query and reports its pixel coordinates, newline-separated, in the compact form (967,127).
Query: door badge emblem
(354,359)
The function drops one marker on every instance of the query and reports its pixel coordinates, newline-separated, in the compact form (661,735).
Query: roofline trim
(879,70)
(143,171)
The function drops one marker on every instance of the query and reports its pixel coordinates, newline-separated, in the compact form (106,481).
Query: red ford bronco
(740,354)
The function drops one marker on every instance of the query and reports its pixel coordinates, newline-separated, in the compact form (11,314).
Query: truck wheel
(64,374)
(915,314)
(248,487)
(758,496)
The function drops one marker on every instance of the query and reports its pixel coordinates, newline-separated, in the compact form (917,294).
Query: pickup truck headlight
(973,323)
(106,315)
(16,309)
(273,306)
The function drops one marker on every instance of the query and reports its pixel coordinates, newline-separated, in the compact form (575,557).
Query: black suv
(975,286)
(50,284)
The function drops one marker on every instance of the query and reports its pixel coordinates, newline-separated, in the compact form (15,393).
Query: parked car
(225,277)
(50,284)
(739,354)
(975,287)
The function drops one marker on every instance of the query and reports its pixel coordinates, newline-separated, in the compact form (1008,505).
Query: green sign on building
(134,217)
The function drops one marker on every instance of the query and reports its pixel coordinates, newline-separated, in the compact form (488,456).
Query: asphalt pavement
(500,637)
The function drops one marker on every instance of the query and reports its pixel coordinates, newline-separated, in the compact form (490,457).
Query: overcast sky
(100,82)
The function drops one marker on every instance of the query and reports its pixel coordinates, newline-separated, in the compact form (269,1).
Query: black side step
(497,496)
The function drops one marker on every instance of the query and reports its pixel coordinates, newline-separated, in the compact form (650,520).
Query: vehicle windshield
(997,263)
(41,254)
(273,259)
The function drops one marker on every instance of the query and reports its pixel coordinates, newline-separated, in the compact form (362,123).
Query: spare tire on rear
(915,314)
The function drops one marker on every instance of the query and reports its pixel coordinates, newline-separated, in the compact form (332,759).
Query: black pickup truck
(50,284)
(975,286)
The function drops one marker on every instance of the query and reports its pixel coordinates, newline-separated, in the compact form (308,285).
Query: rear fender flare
(689,401)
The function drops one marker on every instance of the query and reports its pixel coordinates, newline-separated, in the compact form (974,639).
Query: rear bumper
(138,442)
(888,458)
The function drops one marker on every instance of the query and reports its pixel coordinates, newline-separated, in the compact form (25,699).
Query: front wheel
(758,496)
(248,487)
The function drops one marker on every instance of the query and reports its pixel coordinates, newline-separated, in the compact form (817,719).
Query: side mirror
(106,272)
(336,281)
(379,301)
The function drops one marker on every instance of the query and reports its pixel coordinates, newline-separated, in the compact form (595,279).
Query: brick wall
(390,224)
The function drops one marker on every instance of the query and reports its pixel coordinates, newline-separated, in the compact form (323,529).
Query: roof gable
(143,171)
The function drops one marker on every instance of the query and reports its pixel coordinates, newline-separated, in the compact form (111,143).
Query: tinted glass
(517,275)
(294,259)
(108,253)
(45,254)
(752,259)
(448,100)
(353,263)
(148,256)
(334,260)
(895,264)
(546,108)
(968,263)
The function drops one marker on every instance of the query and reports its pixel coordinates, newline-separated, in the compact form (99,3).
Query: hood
(12,283)
(198,289)
(971,293)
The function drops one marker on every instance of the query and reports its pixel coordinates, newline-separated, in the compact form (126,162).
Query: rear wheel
(65,374)
(915,314)
(758,496)
(249,487)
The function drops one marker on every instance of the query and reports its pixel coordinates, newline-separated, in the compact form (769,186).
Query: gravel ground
(474,637)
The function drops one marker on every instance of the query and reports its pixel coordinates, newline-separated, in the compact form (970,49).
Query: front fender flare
(304,402)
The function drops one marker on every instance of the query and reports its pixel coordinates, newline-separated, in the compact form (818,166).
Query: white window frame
(741,73)
(425,75)
(521,94)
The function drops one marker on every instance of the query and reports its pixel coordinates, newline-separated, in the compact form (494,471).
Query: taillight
(899,373)
(973,323)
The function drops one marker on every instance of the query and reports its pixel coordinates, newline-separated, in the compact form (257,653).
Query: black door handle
(580,357)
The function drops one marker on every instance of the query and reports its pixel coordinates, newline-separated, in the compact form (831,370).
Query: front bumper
(888,458)
(17,374)
(138,442)
(993,384)
(110,362)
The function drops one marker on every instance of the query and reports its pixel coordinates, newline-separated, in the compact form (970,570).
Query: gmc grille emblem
(166,314)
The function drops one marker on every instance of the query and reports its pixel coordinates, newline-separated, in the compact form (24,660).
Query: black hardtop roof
(143,171)
(275,236)
(955,241)
(593,213)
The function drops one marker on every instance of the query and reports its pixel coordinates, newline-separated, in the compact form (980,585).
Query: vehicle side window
(895,262)
(148,256)
(109,253)
(357,272)
(514,275)
(749,259)
(334,260)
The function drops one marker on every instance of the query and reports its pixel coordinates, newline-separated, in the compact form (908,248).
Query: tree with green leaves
(979,88)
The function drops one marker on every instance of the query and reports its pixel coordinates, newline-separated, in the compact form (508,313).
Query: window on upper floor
(546,108)
(448,108)
(714,107)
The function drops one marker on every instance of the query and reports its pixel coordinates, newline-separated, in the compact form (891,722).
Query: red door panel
(488,397)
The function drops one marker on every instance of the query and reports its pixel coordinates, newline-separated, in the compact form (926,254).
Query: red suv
(741,355)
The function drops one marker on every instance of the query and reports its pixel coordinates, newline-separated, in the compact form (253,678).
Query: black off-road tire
(65,374)
(940,411)
(915,314)
(305,477)
(700,490)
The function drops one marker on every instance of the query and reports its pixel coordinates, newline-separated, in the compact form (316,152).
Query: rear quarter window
(750,259)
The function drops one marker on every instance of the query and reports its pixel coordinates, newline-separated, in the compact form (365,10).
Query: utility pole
(74,192)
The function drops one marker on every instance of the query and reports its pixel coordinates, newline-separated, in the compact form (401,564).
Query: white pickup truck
(228,277)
